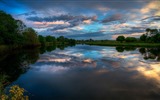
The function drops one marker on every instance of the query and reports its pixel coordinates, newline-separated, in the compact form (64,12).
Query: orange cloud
(87,21)
(154,5)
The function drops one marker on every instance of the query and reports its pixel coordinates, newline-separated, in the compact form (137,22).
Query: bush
(15,93)
(131,39)
(120,38)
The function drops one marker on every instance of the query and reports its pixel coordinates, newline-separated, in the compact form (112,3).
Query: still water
(86,72)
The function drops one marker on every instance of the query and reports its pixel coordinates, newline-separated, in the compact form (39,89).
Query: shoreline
(124,44)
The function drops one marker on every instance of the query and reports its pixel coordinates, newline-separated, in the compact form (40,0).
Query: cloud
(151,19)
(152,7)
(58,18)
(71,18)
(61,22)
(93,35)
(111,18)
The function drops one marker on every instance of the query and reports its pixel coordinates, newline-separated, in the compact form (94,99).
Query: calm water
(86,73)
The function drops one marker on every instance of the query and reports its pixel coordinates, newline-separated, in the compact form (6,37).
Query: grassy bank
(115,43)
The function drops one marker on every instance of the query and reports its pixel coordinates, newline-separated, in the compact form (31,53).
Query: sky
(85,19)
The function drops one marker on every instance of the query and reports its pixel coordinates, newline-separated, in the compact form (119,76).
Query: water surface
(88,72)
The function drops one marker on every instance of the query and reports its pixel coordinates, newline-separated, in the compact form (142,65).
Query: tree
(49,39)
(30,37)
(120,38)
(143,37)
(42,39)
(15,32)
(147,31)
(61,39)
(131,39)
(8,28)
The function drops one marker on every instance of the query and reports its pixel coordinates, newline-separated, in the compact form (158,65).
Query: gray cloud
(59,18)
(151,19)
(114,4)
(28,13)
(115,17)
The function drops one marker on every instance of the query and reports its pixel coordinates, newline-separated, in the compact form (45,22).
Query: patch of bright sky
(13,7)
(94,27)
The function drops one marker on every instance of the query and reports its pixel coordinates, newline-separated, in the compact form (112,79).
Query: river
(84,72)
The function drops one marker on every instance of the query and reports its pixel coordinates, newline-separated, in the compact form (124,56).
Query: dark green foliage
(30,36)
(8,28)
(142,51)
(15,32)
(143,37)
(50,39)
(61,39)
(152,36)
(120,38)
(131,39)
(120,49)
(42,39)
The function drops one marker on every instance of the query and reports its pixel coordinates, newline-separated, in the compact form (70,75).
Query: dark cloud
(133,30)
(59,18)
(28,13)
(111,18)
(72,20)
(151,19)
(113,4)
(73,23)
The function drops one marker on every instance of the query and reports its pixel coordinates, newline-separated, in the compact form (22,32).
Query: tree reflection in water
(147,53)
(13,64)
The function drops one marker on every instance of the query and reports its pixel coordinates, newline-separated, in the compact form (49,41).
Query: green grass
(115,43)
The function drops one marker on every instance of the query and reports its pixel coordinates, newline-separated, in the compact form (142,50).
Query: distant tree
(30,37)
(54,39)
(120,38)
(61,39)
(49,38)
(42,39)
(147,31)
(131,39)
(143,37)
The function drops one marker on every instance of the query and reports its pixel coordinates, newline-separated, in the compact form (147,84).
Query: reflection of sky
(98,68)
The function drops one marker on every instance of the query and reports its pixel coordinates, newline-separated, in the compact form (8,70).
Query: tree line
(15,32)
(151,36)
(61,40)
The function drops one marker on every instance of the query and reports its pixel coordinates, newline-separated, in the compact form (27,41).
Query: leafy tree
(61,39)
(143,37)
(49,38)
(8,28)
(147,31)
(42,39)
(30,37)
(131,39)
(120,38)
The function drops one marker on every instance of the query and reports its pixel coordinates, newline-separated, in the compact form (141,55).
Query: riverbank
(115,43)
(8,48)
